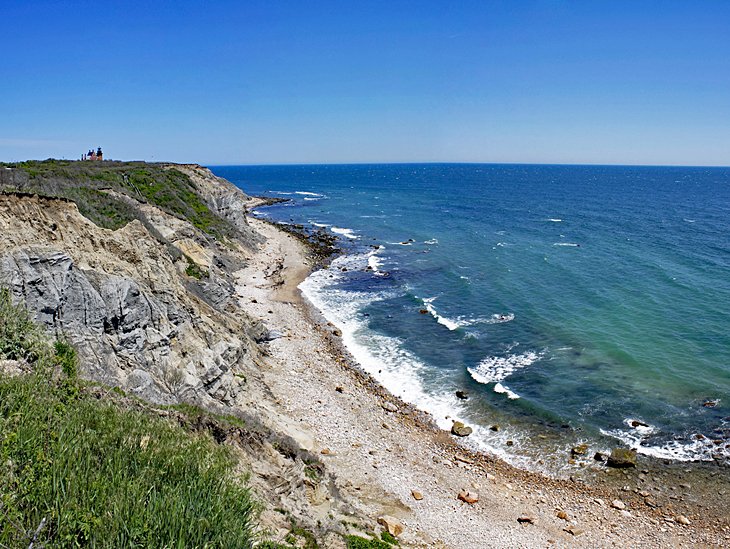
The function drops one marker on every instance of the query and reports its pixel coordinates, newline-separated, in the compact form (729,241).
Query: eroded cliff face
(224,198)
(138,320)
(152,308)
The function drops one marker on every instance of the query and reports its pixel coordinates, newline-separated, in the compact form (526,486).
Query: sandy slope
(378,457)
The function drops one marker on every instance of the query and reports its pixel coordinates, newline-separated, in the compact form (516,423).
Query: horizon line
(415,163)
(387,163)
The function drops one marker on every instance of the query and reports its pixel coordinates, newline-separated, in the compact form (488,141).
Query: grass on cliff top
(81,472)
(84,182)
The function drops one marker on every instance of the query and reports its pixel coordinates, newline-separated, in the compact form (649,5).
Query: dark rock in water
(423,311)
(460,430)
(495,428)
(579,450)
(510,443)
(599,456)
(622,458)
(638,423)
(463,395)
(709,403)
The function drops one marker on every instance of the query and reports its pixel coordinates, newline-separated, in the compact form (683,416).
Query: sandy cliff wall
(138,320)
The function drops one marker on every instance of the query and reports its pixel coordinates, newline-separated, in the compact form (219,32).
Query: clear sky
(259,82)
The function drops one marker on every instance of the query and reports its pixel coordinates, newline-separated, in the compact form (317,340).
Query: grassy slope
(85,182)
(84,472)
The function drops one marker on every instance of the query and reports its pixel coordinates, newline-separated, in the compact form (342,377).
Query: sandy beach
(388,459)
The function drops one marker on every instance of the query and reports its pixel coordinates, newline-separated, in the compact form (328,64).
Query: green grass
(356,542)
(83,472)
(84,182)
(194,270)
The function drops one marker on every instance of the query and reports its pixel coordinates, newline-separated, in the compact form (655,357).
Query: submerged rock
(460,430)
(579,450)
(463,395)
(622,458)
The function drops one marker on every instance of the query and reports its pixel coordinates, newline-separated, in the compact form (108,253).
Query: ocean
(573,304)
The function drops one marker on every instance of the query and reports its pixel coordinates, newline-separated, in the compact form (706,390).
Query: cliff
(149,305)
(135,264)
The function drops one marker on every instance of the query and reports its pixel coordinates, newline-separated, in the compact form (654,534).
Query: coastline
(381,449)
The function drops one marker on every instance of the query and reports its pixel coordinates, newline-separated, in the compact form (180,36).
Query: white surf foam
(500,318)
(449,323)
(281,192)
(321,225)
(309,198)
(432,241)
(503,389)
(374,260)
(555,220)
(348,233)
(676,450)
(495,369)
(306,193)
(387,361)
(569,244)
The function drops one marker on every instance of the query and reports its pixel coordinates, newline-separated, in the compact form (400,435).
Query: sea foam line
(450,324)
(495,369)
(384,357)
(348,233)
(694,450)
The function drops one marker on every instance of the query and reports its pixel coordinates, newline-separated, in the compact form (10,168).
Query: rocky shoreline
(171,315)
(599,512)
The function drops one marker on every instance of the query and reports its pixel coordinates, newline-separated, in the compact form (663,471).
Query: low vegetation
(88,185)
(80,471)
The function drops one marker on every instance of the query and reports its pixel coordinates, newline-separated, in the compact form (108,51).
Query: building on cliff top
(93,155)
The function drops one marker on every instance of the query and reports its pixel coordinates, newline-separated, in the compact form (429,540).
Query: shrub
(20,338)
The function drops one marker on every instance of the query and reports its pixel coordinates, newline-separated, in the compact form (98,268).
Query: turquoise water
(568,301)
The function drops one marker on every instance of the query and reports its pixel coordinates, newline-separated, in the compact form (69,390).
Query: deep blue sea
(573,303)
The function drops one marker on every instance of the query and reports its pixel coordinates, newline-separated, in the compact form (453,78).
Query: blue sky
(249,82)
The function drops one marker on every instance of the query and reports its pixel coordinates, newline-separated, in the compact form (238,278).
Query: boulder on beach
(460,430)
(622,458)
(391,524)
(468,497)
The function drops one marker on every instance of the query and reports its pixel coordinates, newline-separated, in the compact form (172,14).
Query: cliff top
(88,184)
